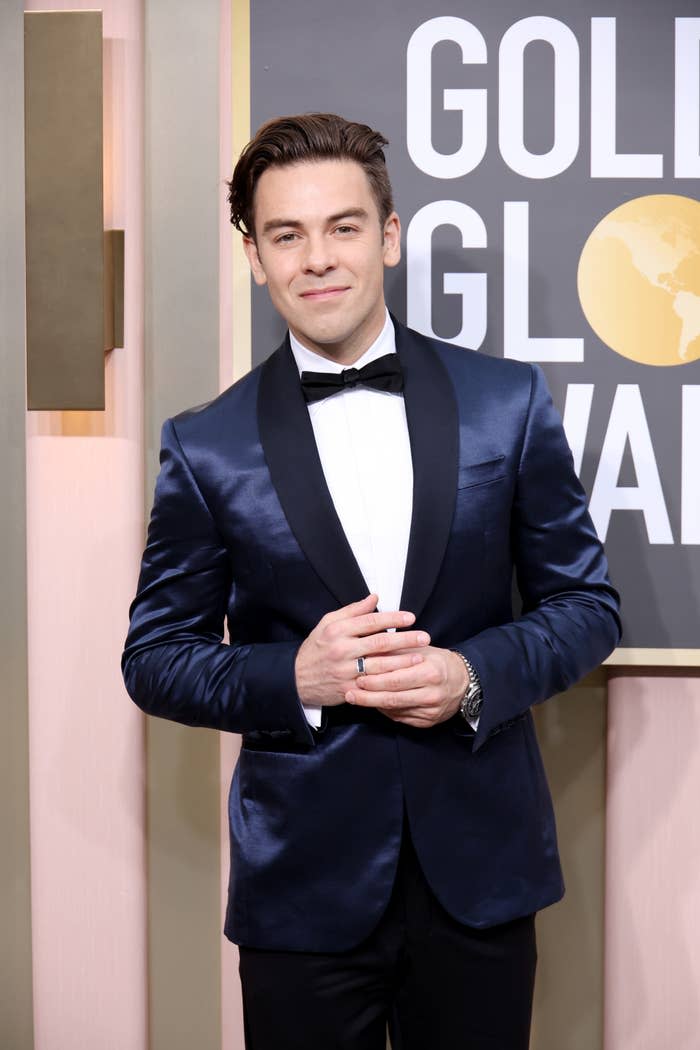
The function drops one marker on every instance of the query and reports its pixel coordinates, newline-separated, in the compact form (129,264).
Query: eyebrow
(294,224)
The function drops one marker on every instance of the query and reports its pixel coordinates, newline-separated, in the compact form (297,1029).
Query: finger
(379,665)
(375,622)
(364,606)
(385,643)
(408,715)
(406,651)
(396,680)
(408,719)
(419,717)
(408,698)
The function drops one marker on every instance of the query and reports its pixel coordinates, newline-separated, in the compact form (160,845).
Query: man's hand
(326,664)
(420,695)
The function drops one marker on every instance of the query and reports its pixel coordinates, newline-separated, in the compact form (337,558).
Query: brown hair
(307,137)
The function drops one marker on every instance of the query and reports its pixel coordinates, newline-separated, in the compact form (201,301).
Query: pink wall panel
(652,978)
(85,532)
(86,772)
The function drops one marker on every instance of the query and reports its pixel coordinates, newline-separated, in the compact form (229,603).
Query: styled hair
(307,137)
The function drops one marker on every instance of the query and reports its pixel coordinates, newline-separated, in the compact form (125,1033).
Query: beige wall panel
(183,874)
(65,283)
(183,188)
(568,1013)
(15,919)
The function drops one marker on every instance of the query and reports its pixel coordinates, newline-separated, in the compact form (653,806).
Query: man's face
(321,250)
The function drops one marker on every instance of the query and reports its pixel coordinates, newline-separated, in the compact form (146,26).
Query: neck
(347,351)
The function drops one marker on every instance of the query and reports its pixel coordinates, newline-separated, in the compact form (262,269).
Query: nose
(320,256)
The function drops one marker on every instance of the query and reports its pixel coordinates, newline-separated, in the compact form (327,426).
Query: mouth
(316,295)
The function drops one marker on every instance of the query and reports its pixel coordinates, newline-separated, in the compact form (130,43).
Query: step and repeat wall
(545,161)
(545,168)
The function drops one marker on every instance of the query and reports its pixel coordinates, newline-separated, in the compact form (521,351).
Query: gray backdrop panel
(348,60)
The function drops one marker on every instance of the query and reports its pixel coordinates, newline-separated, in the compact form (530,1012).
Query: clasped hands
(406,678)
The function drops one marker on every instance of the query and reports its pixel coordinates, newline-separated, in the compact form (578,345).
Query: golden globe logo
(639,280)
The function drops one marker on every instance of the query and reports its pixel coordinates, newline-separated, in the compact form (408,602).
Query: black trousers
(437,984)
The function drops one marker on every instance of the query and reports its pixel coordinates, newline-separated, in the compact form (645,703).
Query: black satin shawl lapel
(289,446)
(433,427)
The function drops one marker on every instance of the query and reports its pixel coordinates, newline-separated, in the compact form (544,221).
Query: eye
(344,228)
(285,238)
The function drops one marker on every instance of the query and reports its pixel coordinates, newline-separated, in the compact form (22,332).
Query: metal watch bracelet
(471,703)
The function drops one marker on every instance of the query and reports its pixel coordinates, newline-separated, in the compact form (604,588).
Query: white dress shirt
(362,440)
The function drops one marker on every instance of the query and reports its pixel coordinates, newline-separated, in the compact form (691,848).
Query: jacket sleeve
(570,617)
(175,663)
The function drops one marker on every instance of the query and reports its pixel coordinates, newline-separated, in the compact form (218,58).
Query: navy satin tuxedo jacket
(244,531)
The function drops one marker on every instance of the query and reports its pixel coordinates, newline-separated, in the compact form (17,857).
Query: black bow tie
(383,374)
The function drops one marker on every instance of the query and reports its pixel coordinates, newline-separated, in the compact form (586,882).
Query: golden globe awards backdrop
(546,166)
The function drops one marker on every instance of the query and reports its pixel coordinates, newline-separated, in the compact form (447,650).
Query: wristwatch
(471,703)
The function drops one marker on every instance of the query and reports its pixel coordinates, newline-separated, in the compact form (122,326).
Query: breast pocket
(479,543)
(482,473)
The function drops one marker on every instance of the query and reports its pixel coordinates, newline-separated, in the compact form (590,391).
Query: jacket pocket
(481,473)
(276,743)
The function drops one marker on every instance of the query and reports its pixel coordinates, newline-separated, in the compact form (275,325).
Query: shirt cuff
(313,714)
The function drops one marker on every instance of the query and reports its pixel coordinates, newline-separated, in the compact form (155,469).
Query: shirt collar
(308,361)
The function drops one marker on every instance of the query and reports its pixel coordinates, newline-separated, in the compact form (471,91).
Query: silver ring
(361,665)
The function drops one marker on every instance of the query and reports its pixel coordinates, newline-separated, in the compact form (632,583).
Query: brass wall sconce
(75,271)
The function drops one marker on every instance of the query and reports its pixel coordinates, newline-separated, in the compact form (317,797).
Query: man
(392,832)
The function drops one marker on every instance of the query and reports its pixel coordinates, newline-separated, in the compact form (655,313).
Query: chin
(330,337)
(324,335)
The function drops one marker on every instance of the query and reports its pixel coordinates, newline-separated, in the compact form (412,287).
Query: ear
(392,240)
(251,250)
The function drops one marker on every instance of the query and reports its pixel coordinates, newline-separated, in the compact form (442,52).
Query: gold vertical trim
(241,326)
(113,289)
